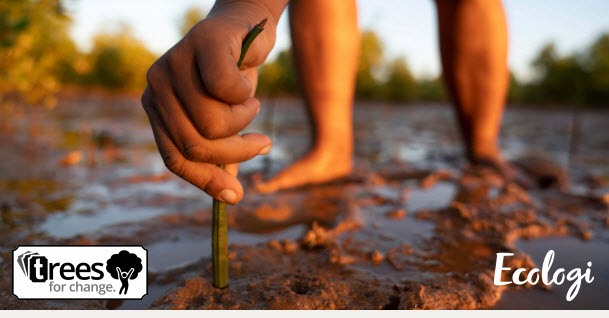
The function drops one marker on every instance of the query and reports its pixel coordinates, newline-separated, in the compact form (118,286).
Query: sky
(407,28)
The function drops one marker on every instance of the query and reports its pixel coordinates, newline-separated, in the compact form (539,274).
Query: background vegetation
(38,59)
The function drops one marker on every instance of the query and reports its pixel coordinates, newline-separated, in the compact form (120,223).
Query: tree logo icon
(124,266)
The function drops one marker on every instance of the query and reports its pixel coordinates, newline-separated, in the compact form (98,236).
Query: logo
(80,272)
(34,266)
(544,275)
(127,267)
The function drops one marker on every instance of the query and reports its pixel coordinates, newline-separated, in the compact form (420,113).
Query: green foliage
(34,41)
(560,78)
(581,78)
(191,17)
(37,57)
(370,59)
(400,85)
(430,89)
(517,91)
(596,65)
(118,61)
(277,78)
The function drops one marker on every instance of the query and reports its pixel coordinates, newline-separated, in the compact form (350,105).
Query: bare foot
(505,170)
(318,166)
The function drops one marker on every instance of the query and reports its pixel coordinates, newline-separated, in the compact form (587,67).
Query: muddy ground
(409,229)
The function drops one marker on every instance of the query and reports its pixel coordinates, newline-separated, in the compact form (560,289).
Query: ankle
(333,158)
(484,150)
(477,157)
(334,149)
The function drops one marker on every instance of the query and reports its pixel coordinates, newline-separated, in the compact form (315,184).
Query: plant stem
(219,244)
(219,231)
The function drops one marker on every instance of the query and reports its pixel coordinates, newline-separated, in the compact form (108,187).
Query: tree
(400,84)
(516,90)
(118,61)
(191,17)
(561,79)
(596,63)
(430,89)
(370,59)
(278,77)
(34,46)
(124,266)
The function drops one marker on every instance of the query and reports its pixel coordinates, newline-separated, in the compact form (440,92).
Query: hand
(197,100)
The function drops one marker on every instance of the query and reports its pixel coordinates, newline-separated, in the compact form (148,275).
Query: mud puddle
(185,250)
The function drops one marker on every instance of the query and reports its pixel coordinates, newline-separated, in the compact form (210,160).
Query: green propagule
(219,239)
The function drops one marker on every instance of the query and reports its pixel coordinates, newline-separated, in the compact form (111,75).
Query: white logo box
(80,272)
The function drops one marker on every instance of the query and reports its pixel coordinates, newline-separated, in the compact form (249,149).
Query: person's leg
(473,44)
(325,41)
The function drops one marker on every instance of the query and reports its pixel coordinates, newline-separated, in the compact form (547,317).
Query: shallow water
(119,192)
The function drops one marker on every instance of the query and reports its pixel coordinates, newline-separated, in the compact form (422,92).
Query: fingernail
(265,150)
(258,110)
(228,196)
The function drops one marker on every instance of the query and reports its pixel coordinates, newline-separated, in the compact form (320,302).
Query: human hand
(197,100)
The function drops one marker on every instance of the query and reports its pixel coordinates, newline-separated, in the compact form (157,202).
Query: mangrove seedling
(219,232)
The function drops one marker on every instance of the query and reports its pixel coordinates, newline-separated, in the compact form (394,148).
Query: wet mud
(410,228)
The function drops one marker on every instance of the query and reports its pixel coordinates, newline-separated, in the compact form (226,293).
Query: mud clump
(285,246)
(396,214)
(440,175)
(376,257)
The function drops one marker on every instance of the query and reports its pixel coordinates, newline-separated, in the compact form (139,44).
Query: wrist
(253,10)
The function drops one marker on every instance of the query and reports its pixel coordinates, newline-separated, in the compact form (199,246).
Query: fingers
(214,119)
(180,88)
(175,122)
(232,169)
(240,148)
(211,117)
(196,148)
(198,100)
(213,180)
(252,75)
(229,150)
(220,74)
